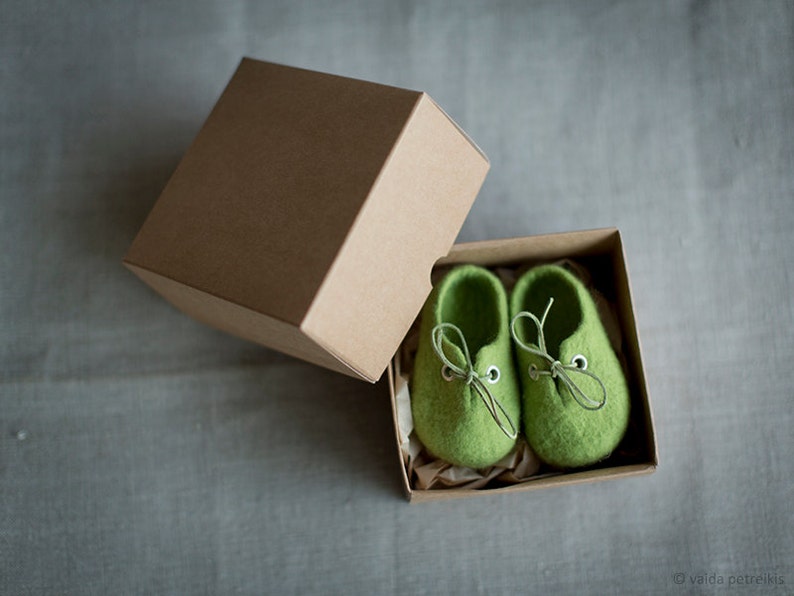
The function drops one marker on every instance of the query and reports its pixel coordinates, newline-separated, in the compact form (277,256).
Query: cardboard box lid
(308,212)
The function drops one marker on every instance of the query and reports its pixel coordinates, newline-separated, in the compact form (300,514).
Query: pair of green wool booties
(469,394)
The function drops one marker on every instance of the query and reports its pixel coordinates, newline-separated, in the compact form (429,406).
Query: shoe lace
(557,370)
(470,376)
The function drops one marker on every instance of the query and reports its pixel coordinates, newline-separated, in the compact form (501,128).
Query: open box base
(601,253)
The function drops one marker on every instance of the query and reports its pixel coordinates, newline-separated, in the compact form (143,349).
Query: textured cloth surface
(141,452)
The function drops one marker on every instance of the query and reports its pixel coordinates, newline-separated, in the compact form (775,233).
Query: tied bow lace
(467,374)
(558,370)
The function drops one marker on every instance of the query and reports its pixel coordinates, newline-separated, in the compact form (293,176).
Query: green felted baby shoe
(465,396)
(575,396)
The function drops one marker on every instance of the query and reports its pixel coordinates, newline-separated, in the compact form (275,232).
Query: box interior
(601,253)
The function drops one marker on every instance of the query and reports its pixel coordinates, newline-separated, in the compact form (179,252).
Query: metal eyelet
(493,374)
(532,371)
(446,373)
(579,362)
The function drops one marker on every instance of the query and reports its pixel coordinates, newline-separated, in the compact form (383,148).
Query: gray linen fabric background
(141,452)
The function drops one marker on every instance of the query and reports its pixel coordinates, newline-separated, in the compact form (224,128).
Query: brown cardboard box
(308,213)
(307,216)
(601,252)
